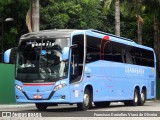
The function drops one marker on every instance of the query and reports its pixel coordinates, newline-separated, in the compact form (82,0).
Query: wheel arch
(90,88)
(137,87)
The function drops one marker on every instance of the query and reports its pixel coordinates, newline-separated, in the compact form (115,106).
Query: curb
(5,106)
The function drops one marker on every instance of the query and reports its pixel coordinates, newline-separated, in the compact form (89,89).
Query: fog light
(17,97)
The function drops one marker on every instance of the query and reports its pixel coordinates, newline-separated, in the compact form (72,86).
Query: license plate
(37,97)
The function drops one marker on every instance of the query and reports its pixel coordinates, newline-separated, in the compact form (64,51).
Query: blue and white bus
(82,67)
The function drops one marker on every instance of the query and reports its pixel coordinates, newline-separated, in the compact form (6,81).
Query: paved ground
(118,110)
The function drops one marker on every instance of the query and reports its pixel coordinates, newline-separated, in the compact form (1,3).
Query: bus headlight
(58,87)
(19,88)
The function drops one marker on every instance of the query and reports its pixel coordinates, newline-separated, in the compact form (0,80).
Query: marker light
(58,87)
(19,87)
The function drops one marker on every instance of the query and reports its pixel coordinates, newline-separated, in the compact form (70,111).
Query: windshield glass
(40,60)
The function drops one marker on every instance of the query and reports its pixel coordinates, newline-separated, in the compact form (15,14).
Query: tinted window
(93,49)
(108,51)
(98,49)
(117,52)
(147,58)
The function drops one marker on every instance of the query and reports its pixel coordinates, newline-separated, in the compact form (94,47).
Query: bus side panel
(113,81)
(102,83)
(76,92)
(109,82)
(150,77)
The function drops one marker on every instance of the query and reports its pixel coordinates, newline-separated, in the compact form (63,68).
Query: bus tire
(102,104)
(142,98)
(134,102)
(86,101)
(41,106)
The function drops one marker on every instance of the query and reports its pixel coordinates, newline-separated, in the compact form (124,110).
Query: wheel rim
(142,97)
(136,97)
(86,99)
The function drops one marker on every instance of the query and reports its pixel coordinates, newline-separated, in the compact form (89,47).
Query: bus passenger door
(76,67)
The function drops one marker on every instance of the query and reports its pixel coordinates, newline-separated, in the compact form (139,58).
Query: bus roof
(67,33)
(49,34)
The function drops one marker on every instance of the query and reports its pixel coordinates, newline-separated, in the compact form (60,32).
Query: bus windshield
(40,60)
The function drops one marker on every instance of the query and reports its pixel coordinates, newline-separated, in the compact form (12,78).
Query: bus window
(93,49)
(138,56)
(117,52)
(148,58)
(45,59)
(129,59)
(108,51)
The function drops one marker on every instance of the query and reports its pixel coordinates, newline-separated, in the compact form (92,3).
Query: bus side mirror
(10,55)
(7,55)
(65,53)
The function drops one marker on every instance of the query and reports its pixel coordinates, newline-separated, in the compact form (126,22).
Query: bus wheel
(41,106)
(142,98)
(134,102)
(86,101)
(102,104)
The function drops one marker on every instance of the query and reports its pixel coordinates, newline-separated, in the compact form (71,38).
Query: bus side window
(151,59)
(117,52)
(108,51)
(93,49)
(148,58)
(138,56)
(124,55)
(129,59)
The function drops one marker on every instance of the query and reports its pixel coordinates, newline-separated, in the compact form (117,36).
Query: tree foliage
(15,9)
(75,14)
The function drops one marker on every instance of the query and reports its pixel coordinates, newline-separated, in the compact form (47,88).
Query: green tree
(16,9)
(153,8)
(75,14)
(135,8)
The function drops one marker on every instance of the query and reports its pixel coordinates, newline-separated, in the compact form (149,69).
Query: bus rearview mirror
(10,55)
(7,54)
(65,53)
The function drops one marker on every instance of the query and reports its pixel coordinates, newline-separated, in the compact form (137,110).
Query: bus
(82,67)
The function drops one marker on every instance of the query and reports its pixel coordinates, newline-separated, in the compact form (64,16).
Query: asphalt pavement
(8,106)
(68,112)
